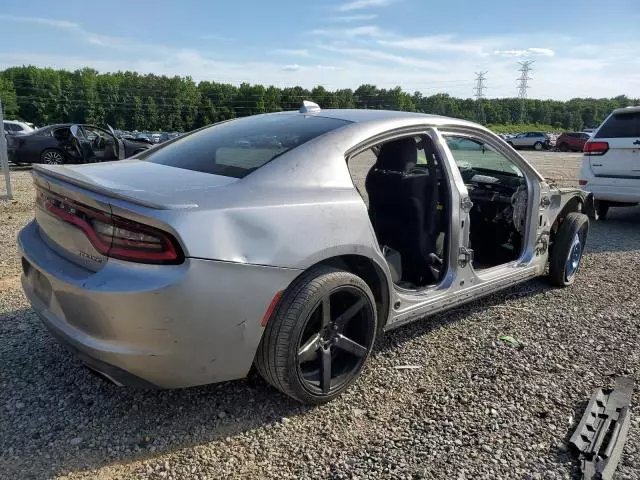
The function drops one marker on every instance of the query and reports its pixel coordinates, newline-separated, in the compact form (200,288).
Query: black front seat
(401,197)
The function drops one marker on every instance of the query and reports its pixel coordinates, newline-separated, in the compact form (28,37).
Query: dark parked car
(71,143)
(573,141)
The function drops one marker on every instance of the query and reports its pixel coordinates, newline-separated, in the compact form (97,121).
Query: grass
(524,127)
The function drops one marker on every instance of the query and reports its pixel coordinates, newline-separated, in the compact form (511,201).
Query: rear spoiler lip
(46,171)
(605,408)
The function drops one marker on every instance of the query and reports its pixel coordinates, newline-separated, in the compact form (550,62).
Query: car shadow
(19,168)
(620,232)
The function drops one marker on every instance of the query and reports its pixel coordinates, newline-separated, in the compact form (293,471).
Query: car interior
(498,191)
(407,194)
(408,203)
(87,143)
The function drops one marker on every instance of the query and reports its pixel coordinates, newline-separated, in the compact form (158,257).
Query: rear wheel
(568,248)
(51,156)
(317,341)
(537,146)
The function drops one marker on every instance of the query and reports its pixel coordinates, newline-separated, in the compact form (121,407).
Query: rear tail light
(114,236)
(595,148)
(582,182)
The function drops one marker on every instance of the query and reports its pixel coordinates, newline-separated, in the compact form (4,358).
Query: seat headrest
(398,155)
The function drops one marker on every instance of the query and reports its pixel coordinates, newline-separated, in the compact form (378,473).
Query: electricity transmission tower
(525,68)
(479,94)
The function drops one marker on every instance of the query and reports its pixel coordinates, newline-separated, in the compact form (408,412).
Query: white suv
(611,163)
(13,127)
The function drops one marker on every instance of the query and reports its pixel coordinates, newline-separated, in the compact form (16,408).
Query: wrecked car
(71,143)
(213,253)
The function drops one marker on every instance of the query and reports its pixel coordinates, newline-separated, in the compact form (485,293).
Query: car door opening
(406,192)
(498,190)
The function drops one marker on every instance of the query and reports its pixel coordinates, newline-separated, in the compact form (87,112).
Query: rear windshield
(239,147)
(621,125)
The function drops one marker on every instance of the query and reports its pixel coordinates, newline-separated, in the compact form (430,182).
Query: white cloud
(545,52)
(437,43)
(209,36)
(378,55)
(541,52)
(291,68)
(360,4)
(363,31)
(42,21)
(354,18)
(291,52)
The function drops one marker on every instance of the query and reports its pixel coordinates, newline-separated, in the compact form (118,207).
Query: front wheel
(563,147)
(538,146)
(568,248)
(318,339)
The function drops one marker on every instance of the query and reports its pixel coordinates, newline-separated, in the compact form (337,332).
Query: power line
(479,94)
(523,86)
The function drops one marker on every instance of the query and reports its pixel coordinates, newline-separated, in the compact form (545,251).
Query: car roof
(632,109)
(370,115)
(365,117)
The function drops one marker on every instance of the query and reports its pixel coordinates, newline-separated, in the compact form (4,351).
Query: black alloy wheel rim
(335,340)
(52,158)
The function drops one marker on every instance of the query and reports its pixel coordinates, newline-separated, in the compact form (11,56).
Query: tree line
(131,101)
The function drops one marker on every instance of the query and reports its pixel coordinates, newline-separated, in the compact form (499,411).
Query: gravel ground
(474,408)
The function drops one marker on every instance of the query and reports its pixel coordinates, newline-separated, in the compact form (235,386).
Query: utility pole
(479,94)
(525,68)
(4,158)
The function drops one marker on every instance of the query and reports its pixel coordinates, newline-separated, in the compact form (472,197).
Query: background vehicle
(572,141)
(207,254)
(14,127)
(611,163)
(535,140)
(71,143)
(143,137)
(164,136)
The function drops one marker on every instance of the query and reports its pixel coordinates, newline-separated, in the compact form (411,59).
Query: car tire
(305,343)
(567,250)
(602,209)
(563,147)
(52,156)
(538,146)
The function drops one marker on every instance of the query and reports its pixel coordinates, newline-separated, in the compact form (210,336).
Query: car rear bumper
(152,326)
(625,190)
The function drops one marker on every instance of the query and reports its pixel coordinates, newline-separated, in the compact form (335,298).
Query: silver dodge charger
(287,241)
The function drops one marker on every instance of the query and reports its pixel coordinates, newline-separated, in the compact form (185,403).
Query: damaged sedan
(71,143)
(220,251)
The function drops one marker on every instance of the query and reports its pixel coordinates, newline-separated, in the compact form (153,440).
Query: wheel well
(575,204)
(372,274)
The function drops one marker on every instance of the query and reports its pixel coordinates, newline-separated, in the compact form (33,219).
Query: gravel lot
(474,408)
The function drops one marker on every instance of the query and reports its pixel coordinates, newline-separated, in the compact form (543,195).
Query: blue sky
(580,48)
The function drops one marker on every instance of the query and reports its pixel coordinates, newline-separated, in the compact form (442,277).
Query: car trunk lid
(74,204)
